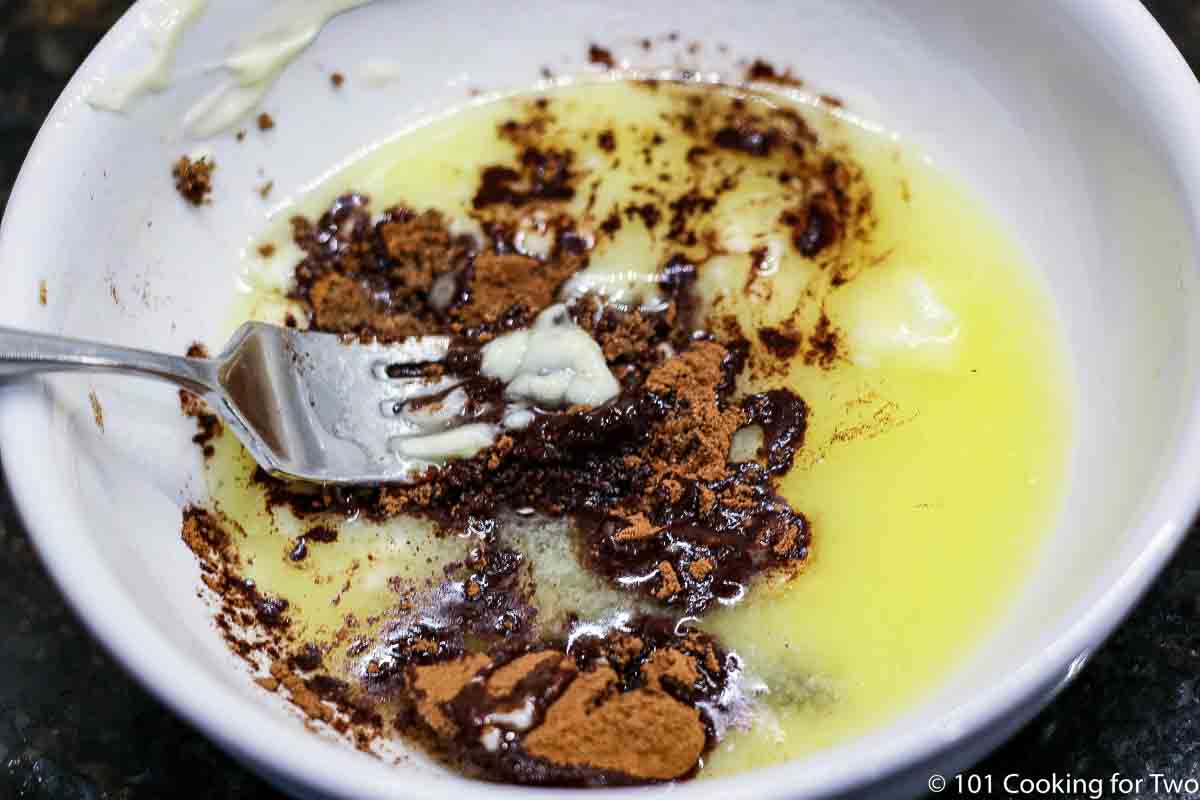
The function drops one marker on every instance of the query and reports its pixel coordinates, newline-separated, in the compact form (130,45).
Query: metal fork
(306,405)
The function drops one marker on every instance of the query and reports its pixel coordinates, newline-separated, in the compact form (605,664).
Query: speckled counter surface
(73,726)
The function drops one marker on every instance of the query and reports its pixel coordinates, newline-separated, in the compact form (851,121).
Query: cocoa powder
(644,734)
(193,179)
(440,683)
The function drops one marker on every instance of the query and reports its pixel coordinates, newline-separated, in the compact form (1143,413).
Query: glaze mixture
(752,421)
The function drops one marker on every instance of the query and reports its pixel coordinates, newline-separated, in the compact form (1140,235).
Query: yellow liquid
(934,462)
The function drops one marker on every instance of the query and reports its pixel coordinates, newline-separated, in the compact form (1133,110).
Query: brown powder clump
(268,683)
(601,56)
(501,283)
(622,708)
(696,440)
(342,304)
(208,424)
(504,681)
(669,584)
(624,647)
(193,179)
(302,697)
(419,246)
(505,283)
(639,528)
(787,540)
(541,177)
(765,72)
(621,336)
(671,665)
(645,734)
(436,684)
(203,535)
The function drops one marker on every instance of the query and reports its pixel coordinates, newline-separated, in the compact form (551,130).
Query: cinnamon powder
(563,723)
(436,684)
(644,733)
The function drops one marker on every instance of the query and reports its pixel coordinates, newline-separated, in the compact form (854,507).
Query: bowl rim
(287,753)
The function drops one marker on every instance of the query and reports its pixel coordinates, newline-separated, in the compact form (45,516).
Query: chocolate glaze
(783,419)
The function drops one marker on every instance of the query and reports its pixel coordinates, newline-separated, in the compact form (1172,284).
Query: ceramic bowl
(1076,121)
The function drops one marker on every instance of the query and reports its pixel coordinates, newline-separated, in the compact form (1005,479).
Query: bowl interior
(1075,123)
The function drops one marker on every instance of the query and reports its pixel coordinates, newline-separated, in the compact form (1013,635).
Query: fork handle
(26,352)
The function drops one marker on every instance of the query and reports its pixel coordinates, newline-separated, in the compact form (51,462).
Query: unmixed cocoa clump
(765,72)
(611,709)
(419,246)
(503,284)
(695,441)
(208,424)
(601,56)
(373,278)
(193,179)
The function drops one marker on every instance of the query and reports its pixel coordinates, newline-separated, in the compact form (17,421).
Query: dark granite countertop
(73,726)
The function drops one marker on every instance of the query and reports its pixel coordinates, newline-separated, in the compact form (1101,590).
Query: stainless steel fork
(306,405)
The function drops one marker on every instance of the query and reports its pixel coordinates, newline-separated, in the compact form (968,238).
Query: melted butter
(933,466)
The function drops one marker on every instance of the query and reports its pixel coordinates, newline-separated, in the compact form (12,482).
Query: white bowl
(1076,120)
